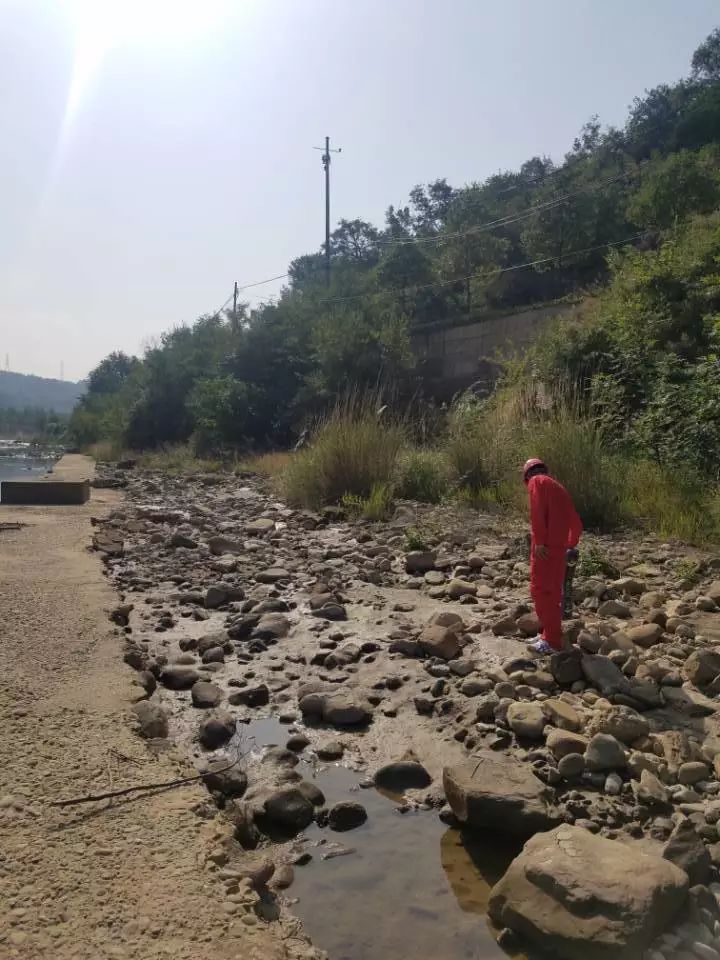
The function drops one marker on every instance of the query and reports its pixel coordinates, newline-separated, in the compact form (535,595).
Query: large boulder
(495,792)
(576,896)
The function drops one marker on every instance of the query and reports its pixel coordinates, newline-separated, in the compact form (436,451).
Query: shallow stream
(401,885)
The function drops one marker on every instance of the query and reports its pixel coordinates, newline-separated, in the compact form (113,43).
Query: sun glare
(101,25)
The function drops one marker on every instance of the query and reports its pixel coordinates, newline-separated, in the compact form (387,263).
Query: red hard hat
(529,464)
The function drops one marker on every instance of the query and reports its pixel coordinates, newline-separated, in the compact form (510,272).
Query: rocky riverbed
(410,668)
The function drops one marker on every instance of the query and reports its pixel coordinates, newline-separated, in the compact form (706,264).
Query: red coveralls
(555,525)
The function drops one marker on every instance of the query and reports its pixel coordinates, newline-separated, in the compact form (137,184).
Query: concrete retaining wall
(452,359)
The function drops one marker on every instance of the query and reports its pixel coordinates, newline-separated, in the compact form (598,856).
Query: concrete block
(44,492)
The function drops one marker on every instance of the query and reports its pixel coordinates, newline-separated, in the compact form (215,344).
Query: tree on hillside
(356,241)
(706,59)
(676,186)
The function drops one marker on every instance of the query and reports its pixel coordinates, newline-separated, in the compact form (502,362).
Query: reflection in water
(410,888)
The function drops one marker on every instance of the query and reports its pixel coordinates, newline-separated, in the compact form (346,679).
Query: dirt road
(116,879)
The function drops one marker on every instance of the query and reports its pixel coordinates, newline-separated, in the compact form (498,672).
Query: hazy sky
(155,151)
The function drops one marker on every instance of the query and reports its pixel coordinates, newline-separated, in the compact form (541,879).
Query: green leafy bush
(422,475)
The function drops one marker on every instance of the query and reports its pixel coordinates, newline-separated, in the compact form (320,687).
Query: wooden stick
(92,797)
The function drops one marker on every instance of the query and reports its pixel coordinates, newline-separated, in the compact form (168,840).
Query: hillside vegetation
(626,392)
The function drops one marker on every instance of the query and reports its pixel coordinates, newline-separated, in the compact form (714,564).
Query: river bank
(118,879)
(384,662)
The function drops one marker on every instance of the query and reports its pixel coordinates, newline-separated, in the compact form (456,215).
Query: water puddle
(403,884)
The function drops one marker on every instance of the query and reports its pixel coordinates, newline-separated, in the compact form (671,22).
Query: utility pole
(326,165)
(235,293)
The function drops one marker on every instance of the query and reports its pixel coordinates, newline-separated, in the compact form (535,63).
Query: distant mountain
(24,390)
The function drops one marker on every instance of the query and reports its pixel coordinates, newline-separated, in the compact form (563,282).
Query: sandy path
(117,879)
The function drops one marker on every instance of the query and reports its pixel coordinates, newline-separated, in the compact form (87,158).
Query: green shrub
(593,561)
(353,450)
(422,475)
(377,506)
(415,540)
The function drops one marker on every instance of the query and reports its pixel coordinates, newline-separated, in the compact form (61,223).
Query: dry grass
(105,450)
(177,460)
(352,450)
(266,464)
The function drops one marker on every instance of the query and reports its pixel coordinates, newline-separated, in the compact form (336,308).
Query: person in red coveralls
(555,529)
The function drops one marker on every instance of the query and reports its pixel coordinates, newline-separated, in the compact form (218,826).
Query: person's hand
(540,550)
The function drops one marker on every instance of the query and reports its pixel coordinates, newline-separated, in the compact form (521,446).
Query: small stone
(258,696)
(604,753)
(178,677)
(205,694)
(420,561)
(613,785)
(646,635)
(402,775)
(526,720)
(561,714)
(290,809)
(687,851)
(566,667)
(347,815)
(458,588)
(614,608)
(439,641)
(297,742)
(561,743)
(692,772)
(152,719)
(571,766)
(332,750)
(216,729)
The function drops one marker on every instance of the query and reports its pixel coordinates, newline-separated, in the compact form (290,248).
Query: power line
(492,273)
(259,283)
(479,228)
